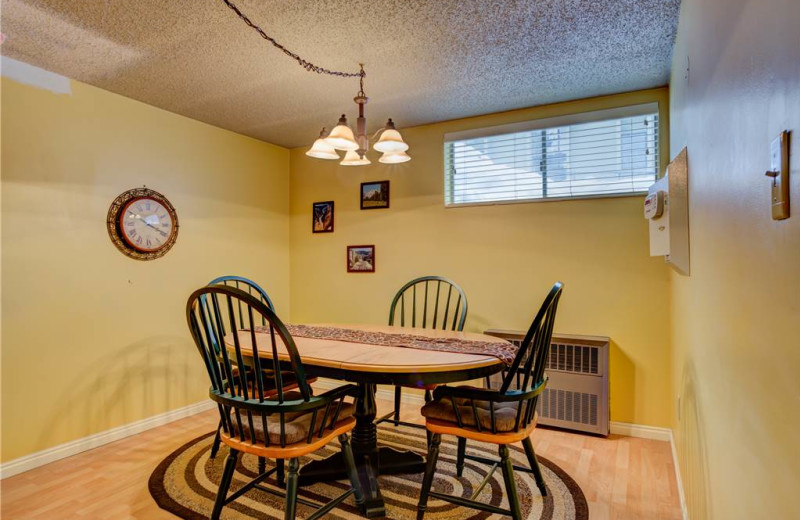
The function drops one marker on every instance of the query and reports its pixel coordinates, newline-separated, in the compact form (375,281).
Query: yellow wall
(736,319)
(92,339)
(505,257)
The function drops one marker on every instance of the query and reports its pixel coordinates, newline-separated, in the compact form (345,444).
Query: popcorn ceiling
(426,61)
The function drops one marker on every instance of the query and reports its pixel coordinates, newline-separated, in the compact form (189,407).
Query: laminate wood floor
(623,478)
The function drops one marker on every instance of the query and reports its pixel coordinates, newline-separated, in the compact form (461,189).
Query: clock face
(142,224)
(145,224)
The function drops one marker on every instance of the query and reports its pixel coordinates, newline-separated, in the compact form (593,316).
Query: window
(605,153)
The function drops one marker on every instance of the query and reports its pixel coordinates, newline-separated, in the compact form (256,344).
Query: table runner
(504,351)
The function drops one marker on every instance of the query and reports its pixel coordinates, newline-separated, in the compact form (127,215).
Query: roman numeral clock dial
(142,224)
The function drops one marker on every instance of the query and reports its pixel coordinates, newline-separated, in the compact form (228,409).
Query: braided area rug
(185,484)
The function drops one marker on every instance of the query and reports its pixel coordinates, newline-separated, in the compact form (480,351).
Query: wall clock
(142,224)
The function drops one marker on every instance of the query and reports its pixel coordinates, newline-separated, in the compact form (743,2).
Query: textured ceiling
(426,61)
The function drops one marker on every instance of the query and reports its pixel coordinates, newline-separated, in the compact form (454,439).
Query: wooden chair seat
(505,413)
(296,424)
(289,383)
(295,449)
(509,437)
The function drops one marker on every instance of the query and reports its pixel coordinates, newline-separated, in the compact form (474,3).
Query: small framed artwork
(375,195)
(323,217)
(360,259)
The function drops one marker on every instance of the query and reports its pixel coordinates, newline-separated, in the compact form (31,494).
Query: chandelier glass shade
(322,150)
(391,140)
(342,137)
(394,157)
(351,158)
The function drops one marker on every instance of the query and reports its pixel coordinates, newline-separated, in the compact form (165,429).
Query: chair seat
(297,424)
(293,450)
(505,414)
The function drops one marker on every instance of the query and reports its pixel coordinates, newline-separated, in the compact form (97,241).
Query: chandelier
(341,137)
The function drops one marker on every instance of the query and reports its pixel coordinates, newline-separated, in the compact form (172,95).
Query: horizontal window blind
(597,157)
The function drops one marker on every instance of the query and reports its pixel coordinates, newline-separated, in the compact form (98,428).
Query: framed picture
(322,217)
(375,195)
(360,259)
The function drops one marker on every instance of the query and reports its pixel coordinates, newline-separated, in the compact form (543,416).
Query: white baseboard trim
(641,431)
(62,451)
(679,481)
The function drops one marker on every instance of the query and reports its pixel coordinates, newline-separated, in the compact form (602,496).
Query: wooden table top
(362,357)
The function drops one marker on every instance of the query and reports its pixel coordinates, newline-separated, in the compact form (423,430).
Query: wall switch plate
(779,173)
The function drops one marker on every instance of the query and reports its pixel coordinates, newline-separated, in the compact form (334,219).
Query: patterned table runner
(503,351)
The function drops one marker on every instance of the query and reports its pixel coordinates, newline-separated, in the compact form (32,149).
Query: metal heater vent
(576,396)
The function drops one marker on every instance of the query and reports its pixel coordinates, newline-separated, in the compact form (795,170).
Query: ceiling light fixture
(341,137)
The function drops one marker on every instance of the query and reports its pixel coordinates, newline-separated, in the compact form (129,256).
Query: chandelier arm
(302,62)
(376,134)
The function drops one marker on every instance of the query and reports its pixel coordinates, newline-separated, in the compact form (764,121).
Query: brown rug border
(166,502)
(158,491)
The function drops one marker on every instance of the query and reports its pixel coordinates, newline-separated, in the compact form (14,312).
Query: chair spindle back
(430,302)
(242,395)
(527,370)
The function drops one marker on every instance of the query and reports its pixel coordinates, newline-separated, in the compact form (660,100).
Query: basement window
(606,153)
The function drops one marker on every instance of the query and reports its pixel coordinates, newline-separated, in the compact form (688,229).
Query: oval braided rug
(185,484)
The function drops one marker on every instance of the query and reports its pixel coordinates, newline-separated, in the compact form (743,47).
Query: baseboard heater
(576,397)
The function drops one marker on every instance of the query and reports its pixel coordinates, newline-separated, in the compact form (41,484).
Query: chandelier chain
(303,63)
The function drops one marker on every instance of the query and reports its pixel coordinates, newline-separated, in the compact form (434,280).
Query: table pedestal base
(386,461)
(371,460)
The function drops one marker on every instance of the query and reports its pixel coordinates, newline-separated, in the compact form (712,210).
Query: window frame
(554,122)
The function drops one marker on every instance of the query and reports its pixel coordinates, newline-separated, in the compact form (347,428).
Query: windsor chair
(423,310)
(254,289)
(284,424)
(501,416)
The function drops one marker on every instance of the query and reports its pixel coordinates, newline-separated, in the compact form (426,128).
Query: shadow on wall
(622,379)
(692,448)
(140,380)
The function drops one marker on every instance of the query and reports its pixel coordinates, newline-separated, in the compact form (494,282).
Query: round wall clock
(142,224)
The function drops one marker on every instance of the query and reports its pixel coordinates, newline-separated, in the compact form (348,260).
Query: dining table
(367,365)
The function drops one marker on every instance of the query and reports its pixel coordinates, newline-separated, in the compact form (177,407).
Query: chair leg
(291,489)
(281,476)
(398,394)
(534,463)
(430,469)
(428,399)
(462,449)
(262,465)
(511,486)
(352,473)
(215,445)
(225,483)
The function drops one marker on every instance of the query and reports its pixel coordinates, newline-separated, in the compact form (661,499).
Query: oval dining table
(369,365)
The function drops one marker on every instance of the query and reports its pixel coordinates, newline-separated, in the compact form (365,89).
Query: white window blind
(583,155)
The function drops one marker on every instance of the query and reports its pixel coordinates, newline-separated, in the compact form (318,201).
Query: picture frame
(361,259)
(374,195)
(322,217)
